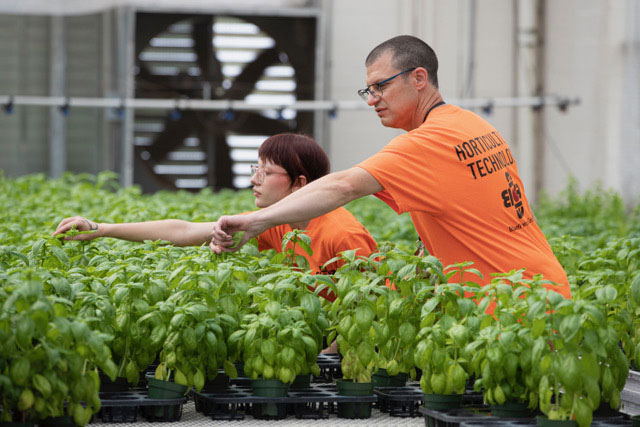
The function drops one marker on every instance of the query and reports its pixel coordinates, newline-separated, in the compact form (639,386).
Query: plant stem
(396,352)
(124,357)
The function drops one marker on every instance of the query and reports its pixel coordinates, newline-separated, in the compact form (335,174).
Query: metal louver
(256,59)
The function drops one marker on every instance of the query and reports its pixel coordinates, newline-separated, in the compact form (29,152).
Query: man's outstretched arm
(314,199)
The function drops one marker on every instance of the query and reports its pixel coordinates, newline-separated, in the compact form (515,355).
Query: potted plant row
(49,359)
(375,318)
(449,321)
(528,348)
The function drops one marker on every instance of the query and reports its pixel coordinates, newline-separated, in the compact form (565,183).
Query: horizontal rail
(487,104)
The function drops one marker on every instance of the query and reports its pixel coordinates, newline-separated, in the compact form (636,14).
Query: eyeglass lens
(257,172)
(375,89)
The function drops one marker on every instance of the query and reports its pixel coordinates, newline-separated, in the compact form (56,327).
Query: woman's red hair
(298,154)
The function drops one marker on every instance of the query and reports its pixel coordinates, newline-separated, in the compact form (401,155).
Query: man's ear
(300,182)
(421,77)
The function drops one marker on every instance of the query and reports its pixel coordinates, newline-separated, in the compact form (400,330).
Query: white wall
(355,28)
(587,55)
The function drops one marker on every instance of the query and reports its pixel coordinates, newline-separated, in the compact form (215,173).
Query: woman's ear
(300,182)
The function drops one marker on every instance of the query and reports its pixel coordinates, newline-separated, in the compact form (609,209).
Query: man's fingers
(244,240)
(221,234)
(225,240)
(223,231)
(218,249)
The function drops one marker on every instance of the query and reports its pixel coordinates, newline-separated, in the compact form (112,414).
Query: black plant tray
(400,401)
(499,423)
(122,407)
(473,399)
(480,416)
(315,402)
(330,368)
(456,416)
(611,422)
(240,381)
(406,400)
(597,422)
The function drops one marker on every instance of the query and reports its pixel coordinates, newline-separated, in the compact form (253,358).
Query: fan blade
(244,83)
(174,133)
(252,123)
(210,68)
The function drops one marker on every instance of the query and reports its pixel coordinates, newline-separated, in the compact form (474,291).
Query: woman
(286,163)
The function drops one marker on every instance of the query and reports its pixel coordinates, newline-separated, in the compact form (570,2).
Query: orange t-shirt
(457,177)
(330,234)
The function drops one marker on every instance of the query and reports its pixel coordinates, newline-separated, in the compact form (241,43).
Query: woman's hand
(81,224)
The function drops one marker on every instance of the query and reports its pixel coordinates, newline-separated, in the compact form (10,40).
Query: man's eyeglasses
(375,89)
(260,173)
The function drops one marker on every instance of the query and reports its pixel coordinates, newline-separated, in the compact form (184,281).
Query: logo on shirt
(512,196)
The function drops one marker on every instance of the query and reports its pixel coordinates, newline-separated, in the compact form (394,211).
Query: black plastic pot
(382,379)
(301,381)
(543,421)
(239,369)
(12,424)
(354,409)
(399,380)
(160,389)
(511,410)
(269,388)
(441,402)
(63,421)
(220,382)
(107,386)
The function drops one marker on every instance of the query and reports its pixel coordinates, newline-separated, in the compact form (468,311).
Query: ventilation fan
(252,58)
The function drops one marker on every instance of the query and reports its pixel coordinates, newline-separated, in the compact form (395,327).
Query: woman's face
(270,184)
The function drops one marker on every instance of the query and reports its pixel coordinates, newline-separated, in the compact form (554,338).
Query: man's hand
(81,224)
(223,230)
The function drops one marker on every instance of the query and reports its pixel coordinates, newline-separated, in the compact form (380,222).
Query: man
(452,171)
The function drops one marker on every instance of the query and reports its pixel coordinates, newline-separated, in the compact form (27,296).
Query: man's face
(397,105)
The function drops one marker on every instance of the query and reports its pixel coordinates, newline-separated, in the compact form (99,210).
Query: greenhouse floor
(192,418)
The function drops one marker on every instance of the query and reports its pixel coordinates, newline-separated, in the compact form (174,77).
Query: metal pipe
(57,86)
(561,102)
